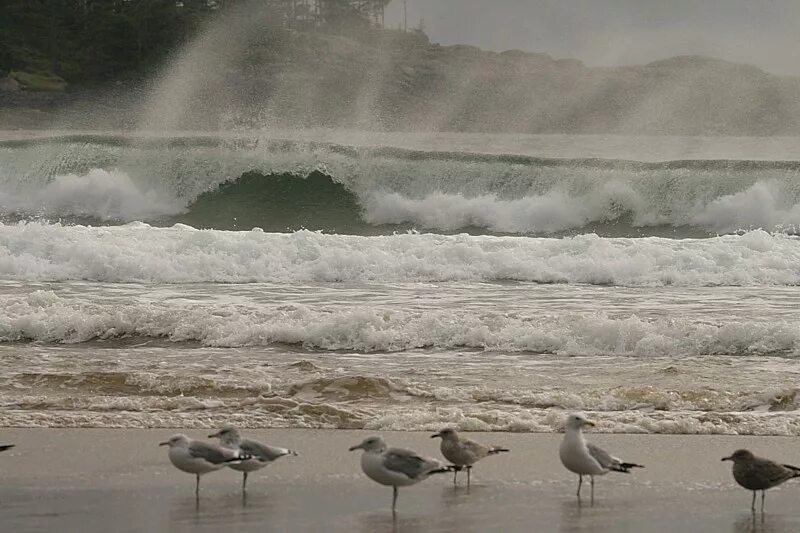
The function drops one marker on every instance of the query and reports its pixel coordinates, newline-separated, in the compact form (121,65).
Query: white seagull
(260,455)
(463,452)
(198,457)
(395,467)
(586,459)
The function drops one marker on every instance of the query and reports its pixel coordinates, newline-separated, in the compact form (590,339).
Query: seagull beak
(589,423)
(356,447)
(214,435)
(727,458)
(163,443)
(436,435)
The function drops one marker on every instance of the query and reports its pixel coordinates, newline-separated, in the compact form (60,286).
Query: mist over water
(245,72)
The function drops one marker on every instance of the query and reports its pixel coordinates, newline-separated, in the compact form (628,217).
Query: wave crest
(99,194)
(241,183)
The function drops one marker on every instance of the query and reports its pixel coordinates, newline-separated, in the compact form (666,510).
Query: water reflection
(233,509)
(758,522)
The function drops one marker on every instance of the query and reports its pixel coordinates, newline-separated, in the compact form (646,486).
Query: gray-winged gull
(260,455)
(586,459)
(463,452)
(395,467)
(198,457)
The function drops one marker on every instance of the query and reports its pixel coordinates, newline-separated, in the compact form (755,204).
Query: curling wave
(240,183)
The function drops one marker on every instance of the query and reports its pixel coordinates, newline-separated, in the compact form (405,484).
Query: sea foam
(138,252)
(765,204)
(101,194)
(45,317)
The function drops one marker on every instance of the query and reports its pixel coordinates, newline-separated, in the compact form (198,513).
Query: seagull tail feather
(625,468)
(795,470)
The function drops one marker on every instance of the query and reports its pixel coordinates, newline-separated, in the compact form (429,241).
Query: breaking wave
(138,252)
(287,185)
(44,317)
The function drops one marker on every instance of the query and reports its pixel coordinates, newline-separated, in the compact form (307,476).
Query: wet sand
(120,480)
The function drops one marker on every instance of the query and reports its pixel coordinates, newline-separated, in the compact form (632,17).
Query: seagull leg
(455,475)
(469,469)
(244,481)
(394,498)
(197,486)
(763,494)
(580,482)
(591,478)
(753,504)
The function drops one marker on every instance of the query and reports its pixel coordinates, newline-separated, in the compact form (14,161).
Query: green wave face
(282,202)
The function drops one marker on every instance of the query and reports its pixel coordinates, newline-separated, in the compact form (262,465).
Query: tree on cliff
(96,40)
(349,14)
(92,39)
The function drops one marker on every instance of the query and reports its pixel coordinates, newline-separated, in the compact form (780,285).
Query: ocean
(346,279)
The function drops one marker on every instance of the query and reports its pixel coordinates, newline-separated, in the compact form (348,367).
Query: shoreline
(71,479)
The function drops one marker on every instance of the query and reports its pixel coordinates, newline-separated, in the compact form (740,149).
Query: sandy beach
(120,480)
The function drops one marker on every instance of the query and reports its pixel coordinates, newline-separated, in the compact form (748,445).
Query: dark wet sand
(120,480)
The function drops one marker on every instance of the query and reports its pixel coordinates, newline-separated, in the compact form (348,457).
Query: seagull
(260,454)
(756,473)
(586,459)
(463,452)
(395,467)
(5,447)
(198,457)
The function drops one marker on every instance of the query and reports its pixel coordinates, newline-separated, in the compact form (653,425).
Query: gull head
(370,444)
(577,421)
(227,435)
(176,440)
(446,434)
(739,455)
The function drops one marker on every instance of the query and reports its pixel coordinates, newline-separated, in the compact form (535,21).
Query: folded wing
(263,452)
(409,463)
(774,473)
(608,461)
(212,454)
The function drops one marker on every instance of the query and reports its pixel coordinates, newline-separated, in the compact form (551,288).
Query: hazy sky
(765,33)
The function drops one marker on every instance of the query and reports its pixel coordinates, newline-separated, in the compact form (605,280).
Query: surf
(241,182)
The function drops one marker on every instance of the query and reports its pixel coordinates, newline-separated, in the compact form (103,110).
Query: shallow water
(488,356)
